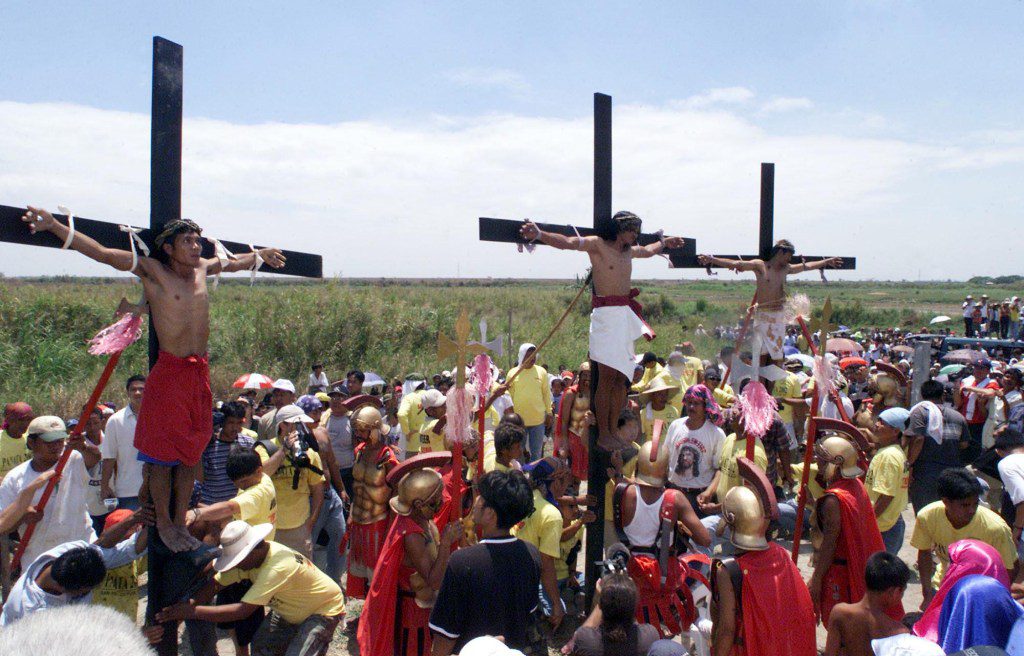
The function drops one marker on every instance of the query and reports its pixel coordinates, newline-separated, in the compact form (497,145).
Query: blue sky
(927,94)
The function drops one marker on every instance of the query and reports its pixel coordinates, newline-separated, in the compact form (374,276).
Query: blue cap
(895,418)
(309,403)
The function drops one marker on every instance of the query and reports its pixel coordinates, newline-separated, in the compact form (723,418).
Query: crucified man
(176,417)
(769,323)
(615,321)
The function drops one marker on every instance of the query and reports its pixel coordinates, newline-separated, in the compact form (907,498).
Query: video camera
(298,457)
(616,559)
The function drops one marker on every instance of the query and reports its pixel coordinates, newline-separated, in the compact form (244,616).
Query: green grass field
(391,327)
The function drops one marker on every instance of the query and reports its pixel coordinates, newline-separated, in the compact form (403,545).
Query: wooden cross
(169,574)
(507,231)
(766,238)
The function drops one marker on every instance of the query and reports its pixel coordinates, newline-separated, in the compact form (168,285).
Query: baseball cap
(290,413)
(895,418)
(47,428)
(324,397)
(338,390)
(284,384)
(432,398)
(309,403)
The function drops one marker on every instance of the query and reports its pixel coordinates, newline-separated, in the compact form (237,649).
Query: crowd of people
(456,506)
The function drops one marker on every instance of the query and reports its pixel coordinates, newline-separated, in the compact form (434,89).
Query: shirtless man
(769,316)
(176,417)
(615,321)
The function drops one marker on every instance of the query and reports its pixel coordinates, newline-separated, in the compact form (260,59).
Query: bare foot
(177,538)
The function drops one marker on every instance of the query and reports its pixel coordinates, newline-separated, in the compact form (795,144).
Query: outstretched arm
(736,265)
(532,231)
(830,263)
(244,262)
(39,220)
(658,247)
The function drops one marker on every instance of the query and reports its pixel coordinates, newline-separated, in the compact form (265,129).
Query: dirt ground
(344,642)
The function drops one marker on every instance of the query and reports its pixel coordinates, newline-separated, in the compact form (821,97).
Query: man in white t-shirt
(968,313)
(1010,445)
(695,447)
(318,380)
(122,470)
(66,516)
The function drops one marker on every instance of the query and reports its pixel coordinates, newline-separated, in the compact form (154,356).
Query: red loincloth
(365,543)
(669,607)
(778,615)
(390,586)
(858,539)
(176,418)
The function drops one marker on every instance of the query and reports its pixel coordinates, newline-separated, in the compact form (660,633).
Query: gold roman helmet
(652,461)
(418,481)
(842,450)
(368,418)
(748,509)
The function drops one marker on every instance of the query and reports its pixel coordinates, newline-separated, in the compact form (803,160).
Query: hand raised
(38,220)
(273,256)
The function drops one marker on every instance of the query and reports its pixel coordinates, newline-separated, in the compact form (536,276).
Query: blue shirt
(216,484)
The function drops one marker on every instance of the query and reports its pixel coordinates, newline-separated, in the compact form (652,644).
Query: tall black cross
(507,231)
(766,238)
(169,574)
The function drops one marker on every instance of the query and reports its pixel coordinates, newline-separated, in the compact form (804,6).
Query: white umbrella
(939,319)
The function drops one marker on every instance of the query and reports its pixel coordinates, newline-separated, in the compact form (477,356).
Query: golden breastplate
(577,414)
(424,594)
(371,491)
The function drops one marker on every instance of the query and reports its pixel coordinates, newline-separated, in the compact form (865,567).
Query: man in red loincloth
(615,322)
(760,604)
(176,418)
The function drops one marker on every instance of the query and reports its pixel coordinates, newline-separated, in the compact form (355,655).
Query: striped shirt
(216,484)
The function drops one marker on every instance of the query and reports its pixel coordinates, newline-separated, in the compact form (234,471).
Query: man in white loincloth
(615,321)
(769,324)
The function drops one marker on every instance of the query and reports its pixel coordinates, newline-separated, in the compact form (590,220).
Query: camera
(298,457)
(616,559)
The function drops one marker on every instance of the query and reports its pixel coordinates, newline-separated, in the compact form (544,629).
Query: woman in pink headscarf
(966,557)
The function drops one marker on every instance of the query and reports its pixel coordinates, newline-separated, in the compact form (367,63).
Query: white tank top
(643,530)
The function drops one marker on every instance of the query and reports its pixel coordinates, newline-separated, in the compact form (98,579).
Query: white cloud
(784,104)
(721,96)
(489,78)
(382,199)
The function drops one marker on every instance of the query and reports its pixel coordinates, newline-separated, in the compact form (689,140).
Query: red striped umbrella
(253,381)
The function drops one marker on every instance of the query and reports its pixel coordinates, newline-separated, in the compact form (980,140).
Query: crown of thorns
(627,221)
(174,228)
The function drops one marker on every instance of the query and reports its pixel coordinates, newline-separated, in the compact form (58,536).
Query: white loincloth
(770,329)
(613,329)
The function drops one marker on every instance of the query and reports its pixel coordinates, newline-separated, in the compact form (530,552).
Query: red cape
(376,634)
(447,512)
(858,537)
(778,615)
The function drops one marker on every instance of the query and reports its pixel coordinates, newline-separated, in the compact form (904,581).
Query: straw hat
(237,541)
(659,384)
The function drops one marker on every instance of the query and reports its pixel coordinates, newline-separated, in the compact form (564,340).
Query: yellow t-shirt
(429,440)
(692,367)
(725,396)
(814,491)
(120,590)
(531,394)
(650,373)
(289,584)
(787,388)
(293,505)
(12,453)
(499,467)
(542,529)
(490,457)
(562,562)
(934,532)
(733,448)
(628,470)
(410,419)
(257,504)
(669,414)
(889,474)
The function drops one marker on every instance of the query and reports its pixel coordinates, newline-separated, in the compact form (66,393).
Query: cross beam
(766,237)
(507,231)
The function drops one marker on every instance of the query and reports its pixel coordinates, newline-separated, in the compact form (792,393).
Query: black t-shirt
(489,589)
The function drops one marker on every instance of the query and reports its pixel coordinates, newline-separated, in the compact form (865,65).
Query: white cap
(432,398)
(291,413)
(284,384)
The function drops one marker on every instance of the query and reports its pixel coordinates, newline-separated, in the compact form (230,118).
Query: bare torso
(771,286)
(858,626)
(612,268)
(179,308)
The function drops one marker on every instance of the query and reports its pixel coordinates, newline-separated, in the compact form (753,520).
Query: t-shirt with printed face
(693,454)
(289,584)
(889,474)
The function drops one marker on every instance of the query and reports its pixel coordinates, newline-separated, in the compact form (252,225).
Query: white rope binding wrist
(257,262)
(71,228)
(223,255)
(135,240)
